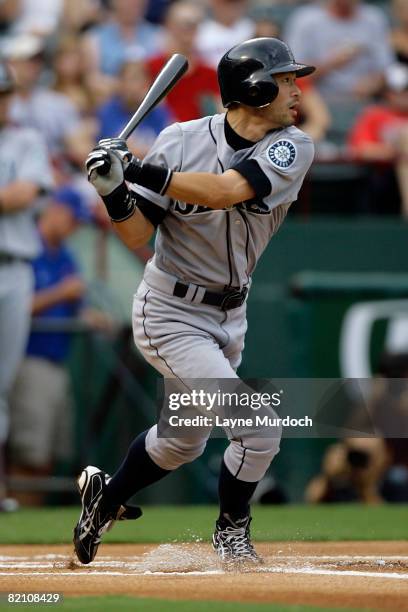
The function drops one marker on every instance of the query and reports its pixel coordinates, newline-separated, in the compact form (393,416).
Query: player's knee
(171,453)
(250,458)
(263,449)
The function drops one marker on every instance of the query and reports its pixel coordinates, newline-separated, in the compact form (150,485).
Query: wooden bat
(169,75)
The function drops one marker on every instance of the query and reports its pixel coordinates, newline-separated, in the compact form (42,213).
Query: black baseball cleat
(232,542)
(93,521)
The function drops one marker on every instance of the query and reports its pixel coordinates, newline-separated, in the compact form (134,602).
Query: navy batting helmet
(7,82)
(246,72)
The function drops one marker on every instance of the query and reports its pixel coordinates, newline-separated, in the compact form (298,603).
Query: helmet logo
(282,153)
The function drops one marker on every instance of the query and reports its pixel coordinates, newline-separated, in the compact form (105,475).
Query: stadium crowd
(82,67)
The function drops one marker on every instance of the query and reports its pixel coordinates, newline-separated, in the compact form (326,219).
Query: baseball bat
(169,75)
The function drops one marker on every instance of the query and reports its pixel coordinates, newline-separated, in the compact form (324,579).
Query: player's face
(285,108)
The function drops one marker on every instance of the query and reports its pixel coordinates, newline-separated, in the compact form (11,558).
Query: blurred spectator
(80,15)
(352,470)
(116,112)
(227,26)
(39,17)
(399,34)
(9,12)
(348,41)
(41,409)
(24,174)
(36,106)
(266,27)
(371,470)
(381,135)
(107,46)
(390,403)
(314,115)
(156,10)
(197,94)
(69,75)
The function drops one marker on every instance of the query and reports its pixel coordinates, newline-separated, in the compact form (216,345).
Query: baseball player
(25,173)
(216,190)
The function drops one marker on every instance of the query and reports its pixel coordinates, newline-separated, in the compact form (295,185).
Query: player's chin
(288,120)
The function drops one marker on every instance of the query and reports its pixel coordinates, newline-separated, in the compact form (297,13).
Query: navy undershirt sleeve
(252,172)
(155,214)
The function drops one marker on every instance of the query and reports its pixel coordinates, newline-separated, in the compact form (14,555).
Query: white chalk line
(103,560)
(271,570)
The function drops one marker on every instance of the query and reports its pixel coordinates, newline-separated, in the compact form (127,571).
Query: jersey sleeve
(276,170)
(167,152)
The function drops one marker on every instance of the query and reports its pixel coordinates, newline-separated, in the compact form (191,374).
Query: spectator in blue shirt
(117,111)
(41,409)
(107,45)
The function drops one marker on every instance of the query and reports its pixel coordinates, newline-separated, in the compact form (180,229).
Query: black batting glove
(105,173)
(131,164)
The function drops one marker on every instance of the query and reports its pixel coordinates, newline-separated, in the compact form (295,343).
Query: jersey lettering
(188,209)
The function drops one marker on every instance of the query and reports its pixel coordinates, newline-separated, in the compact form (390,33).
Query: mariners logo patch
(282,153)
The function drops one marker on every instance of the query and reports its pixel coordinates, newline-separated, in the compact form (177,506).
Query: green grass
(128,604)
(192,523)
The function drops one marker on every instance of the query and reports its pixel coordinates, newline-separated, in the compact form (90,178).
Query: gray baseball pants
(185,339)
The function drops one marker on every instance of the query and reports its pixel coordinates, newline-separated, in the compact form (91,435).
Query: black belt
(5,258)
(225,301)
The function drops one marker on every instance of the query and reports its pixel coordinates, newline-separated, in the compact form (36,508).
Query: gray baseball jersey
(192,241)
(23,157)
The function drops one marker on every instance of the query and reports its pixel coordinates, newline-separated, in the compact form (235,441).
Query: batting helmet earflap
(7,81)
(246,72)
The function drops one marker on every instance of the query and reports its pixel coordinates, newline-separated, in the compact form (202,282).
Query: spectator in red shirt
(197,94)
(381,135)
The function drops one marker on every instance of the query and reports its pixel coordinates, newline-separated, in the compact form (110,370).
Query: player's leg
(149,458)
(244,464)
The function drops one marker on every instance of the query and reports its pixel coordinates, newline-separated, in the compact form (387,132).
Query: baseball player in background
(25,173)
(216,189)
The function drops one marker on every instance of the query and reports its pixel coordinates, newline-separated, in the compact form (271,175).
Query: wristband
(119,204)
(155,178)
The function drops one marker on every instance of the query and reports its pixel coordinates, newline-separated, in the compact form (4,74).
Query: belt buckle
(234,299)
